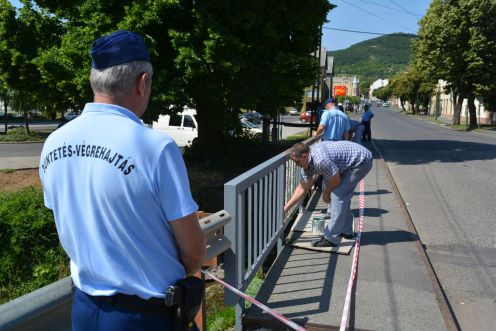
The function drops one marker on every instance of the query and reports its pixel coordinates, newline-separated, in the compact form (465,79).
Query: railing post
(281,179)
(233,257)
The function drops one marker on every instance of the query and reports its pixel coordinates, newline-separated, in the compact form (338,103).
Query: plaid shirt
(328,158)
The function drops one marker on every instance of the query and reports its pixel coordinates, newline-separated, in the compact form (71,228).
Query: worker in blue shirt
(334,124)
(120,195)
(366,119)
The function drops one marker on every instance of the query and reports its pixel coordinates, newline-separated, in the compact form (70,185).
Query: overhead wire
(380,5)
(375,33)
(404,9)
(374,14)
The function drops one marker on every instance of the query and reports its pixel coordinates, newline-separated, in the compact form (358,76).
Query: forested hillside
(376,58)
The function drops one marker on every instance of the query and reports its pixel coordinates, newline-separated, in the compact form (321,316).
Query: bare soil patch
(14,180)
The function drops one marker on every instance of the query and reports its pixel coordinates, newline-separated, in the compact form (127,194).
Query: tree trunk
(26,122)
(209,129)
(5,107)
(472,111)
(458,101)
(402,103)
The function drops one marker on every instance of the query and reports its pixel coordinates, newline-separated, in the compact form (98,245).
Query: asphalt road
(446,179)
(34,149)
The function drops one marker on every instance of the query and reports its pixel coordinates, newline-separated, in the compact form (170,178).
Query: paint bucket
(318,224)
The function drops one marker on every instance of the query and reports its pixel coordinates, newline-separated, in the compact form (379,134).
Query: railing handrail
(47,308)
(255,200)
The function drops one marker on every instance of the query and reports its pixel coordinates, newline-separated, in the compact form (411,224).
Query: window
(175,120)
(188,122)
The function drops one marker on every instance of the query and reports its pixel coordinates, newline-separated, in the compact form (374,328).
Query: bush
(30,253)
(210,168)
(18,133)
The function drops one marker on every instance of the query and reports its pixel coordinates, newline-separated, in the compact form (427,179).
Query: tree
(411,86)
(24,34)
(218,56)
(383,93)
(453,45)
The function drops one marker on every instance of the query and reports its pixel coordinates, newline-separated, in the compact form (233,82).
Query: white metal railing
(255,201)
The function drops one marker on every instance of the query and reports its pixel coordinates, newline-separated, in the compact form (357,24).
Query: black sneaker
(323,242)
(347,236)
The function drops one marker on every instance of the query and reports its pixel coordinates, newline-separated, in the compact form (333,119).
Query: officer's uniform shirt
(336,123)
(367,116)
(328,158)
(114,186)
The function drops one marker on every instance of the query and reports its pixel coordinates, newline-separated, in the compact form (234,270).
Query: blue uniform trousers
(341,217)
(89,314)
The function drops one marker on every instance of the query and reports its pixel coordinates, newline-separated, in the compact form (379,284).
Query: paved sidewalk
(394,288)
(19,162)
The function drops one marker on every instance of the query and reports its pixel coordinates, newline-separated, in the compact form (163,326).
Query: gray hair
(118,80)
(298,149)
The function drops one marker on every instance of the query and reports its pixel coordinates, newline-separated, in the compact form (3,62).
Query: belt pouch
(193,290)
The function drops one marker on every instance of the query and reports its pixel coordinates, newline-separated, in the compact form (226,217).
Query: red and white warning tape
(272,312)
(346,308)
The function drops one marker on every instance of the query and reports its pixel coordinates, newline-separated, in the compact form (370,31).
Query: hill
(376,58)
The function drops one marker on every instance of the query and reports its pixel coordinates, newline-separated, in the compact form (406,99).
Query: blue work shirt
(336,123)
(114,185)
(367,116)
(328,158)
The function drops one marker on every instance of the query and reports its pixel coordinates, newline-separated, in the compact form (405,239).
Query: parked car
(385,104)
(293,112)
(252,116)
(254,130)
(182,127)
(71,115)
(308,116)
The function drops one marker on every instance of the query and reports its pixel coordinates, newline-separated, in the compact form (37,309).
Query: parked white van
(182,127)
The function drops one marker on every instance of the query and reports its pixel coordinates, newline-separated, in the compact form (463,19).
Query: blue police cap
(118,48)
(330,100)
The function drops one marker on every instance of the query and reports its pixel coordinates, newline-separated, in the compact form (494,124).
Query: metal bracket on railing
(213,229)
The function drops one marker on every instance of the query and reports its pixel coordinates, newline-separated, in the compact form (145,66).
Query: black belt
(136,304)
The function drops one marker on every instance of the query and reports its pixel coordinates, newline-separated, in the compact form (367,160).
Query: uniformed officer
(120,195)
(366,119)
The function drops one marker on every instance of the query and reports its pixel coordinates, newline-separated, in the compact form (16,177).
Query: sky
(377,16)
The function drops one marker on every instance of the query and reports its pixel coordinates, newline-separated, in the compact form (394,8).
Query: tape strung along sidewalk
(346,308)
(356,254)
(266,309)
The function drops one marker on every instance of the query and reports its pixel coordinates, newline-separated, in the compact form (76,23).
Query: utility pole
(314,103)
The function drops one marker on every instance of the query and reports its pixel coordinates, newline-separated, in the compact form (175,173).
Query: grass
(221,317)
(297,137)
(20,134)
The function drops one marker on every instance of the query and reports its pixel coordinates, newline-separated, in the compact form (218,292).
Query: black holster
(186,297)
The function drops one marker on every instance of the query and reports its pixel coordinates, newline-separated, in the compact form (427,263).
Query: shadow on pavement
(412,152)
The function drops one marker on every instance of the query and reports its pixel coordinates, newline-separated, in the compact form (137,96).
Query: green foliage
(457,44)
(351,98)
(19,134)
(210,54)
(383,93)
(30,253)
(411,86)
(373,59)
(223,318)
